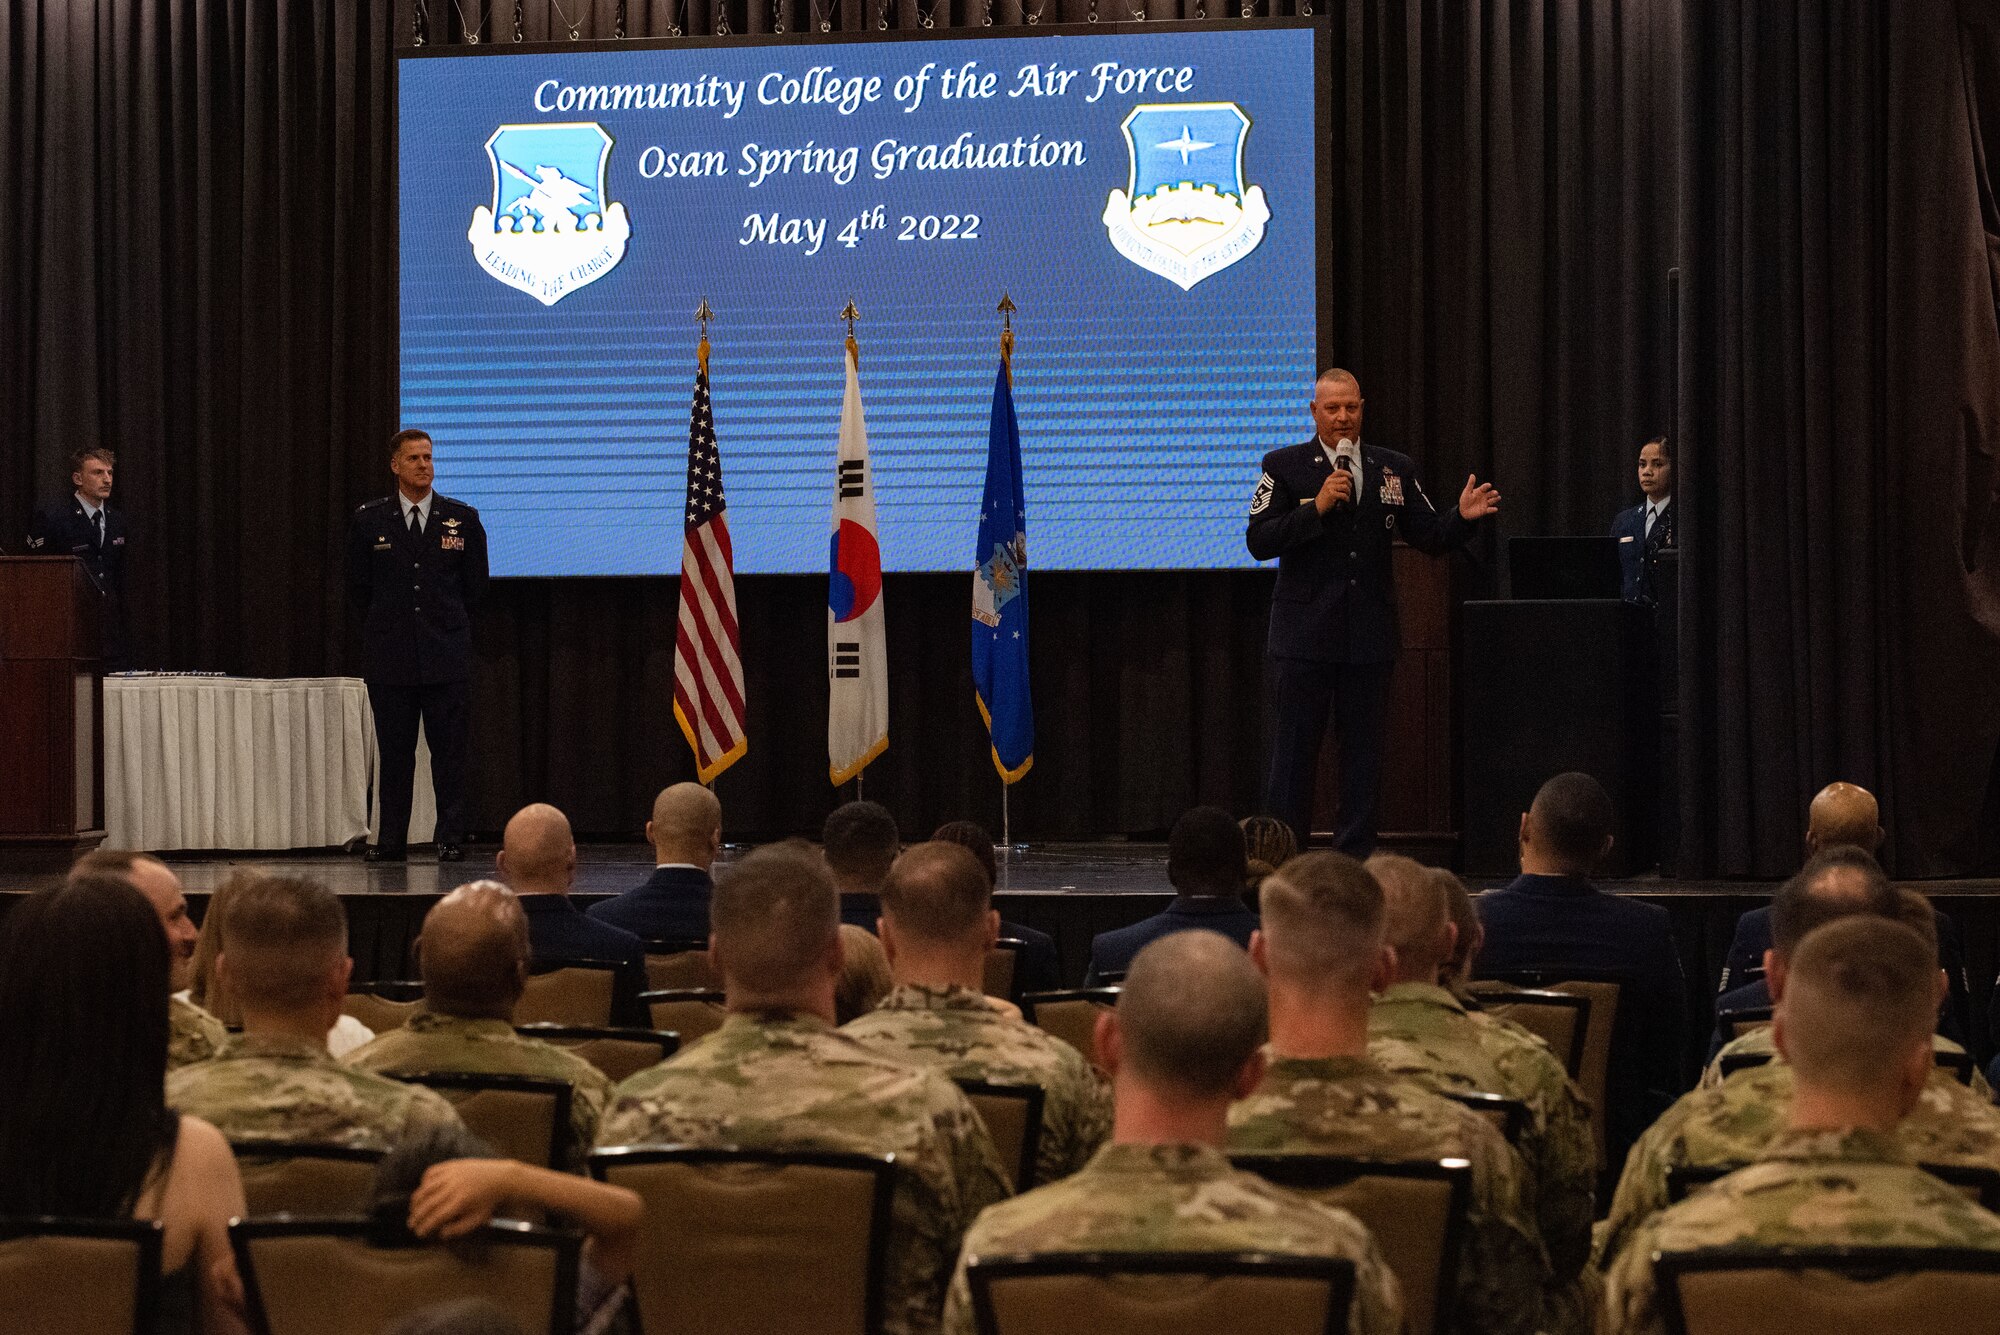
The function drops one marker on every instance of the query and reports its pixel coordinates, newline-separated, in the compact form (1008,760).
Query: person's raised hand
(1479,499)
(1338,487)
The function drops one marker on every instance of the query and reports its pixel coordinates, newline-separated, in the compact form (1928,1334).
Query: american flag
(708,669)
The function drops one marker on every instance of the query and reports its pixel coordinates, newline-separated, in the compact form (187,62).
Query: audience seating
(1003,968)
(1416,1211)
(280,1177)
(1160,1293)
(1738,1290)
(347,1277)
(692,1012)
(1508,1116)
(1559,1019)
(1958,1063)
(383,1006)
(618,1053)
(61,1276)
(1736,1023)
(568,992)
(1593,1072)
(523,1117)
(1981,1184)
(677,963)
(745,1242)
(1013,1117)
(1070,1015)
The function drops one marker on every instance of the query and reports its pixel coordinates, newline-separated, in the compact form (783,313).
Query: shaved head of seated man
(538,860)
(777,1075)
(672,904)
(1854,1021)
(285,964)
(1182,1044)
(473,954)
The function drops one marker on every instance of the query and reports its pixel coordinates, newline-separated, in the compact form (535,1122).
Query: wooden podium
(51,713)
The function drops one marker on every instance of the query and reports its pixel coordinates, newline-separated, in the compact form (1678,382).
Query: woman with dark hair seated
(85,1131)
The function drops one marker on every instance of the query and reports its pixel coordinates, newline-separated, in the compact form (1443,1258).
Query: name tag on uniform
(384,545)
(451,543)
(1626,538)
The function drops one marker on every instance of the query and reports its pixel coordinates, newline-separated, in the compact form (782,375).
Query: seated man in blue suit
(538,861)
(1206,865)
(1647,529)
(672,904)
(1553,920)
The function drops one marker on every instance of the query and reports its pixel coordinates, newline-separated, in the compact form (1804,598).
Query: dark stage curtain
(1841,413)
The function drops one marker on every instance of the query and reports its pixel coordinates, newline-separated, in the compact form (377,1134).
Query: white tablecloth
(237,762)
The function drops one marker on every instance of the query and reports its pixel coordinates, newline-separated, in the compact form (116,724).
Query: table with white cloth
(195,761)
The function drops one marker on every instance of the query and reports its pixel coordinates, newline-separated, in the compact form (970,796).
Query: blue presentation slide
(1151,200)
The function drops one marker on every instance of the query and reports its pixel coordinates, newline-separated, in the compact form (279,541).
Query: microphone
(1347,458)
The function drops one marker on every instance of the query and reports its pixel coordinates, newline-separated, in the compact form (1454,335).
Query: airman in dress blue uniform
(1330,516)
(416,565)
(83,526)
(1647,529)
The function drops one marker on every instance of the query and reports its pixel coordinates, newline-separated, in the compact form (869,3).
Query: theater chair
(1508,1116)
(1013,1117)
(1003,968)
(280,1177)
(618,1053)
(1738,1290)
(383,1006)
(59,1276)
(1559,1019)
(1980,1184)
(679,963)
(1594,1069)
(1416,1211)
(1070,1015)
(1160,1293)
(568,992)
(746,1242)
(692,1012)
(351,1277)
(523,1117)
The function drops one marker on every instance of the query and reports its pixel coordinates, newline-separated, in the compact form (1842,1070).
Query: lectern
(51,713)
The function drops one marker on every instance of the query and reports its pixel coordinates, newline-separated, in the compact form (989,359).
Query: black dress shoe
(380,854)
(450,853)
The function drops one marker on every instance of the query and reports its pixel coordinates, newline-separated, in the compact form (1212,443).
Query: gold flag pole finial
(849,314)
(702,316)
(1007,309)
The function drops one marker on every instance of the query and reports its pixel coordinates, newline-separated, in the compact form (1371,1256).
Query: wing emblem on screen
(1186,211)
(549,228)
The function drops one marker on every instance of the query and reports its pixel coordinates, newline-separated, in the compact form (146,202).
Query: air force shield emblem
(1186,212)
(549,229)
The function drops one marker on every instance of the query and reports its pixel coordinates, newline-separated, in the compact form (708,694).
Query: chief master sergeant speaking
(1328,510)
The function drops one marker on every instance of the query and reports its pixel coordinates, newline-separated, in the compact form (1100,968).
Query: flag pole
(1006,308)
(703,315)
(849,314)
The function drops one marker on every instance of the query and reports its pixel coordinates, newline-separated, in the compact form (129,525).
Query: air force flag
(857,722)
(1000,594)
(549,229)
(1187,211)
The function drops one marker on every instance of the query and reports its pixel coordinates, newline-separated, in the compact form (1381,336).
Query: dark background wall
(199,273)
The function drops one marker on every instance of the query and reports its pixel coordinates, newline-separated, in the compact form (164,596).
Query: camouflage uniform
(1422,1031)
(1351,1107)
(1156,1198)
(268,1087)
(1735,1122)
(968,1036)
(790,1081)
(1807,1188)
(1761,1043)
(193,1035)
(490,1047)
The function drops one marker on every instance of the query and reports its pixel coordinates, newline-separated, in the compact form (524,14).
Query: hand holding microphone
(1344,481)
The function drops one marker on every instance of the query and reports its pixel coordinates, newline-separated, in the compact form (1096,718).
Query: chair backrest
(280,1177)
(61,1276)
(1508,1116)
(619,1053)
(1070,1015)
(1958,1063)
(1559,1019)
(568,992)
(1416,1210)
(1003,968)
(1594,1069)
(1736,1023)
(692,1012)
(1979,1183)
(672,963)
(741,1242)
(1160,1293)
(337,1277)
(523,1117)
(383,1006)
(1013,1117)
(1828,1290)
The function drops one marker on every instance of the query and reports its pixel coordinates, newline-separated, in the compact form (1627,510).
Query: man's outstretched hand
(1479,499)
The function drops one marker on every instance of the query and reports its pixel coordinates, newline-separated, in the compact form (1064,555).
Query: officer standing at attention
(416,565)
(1647,529)
(84,526)
(1328,510)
